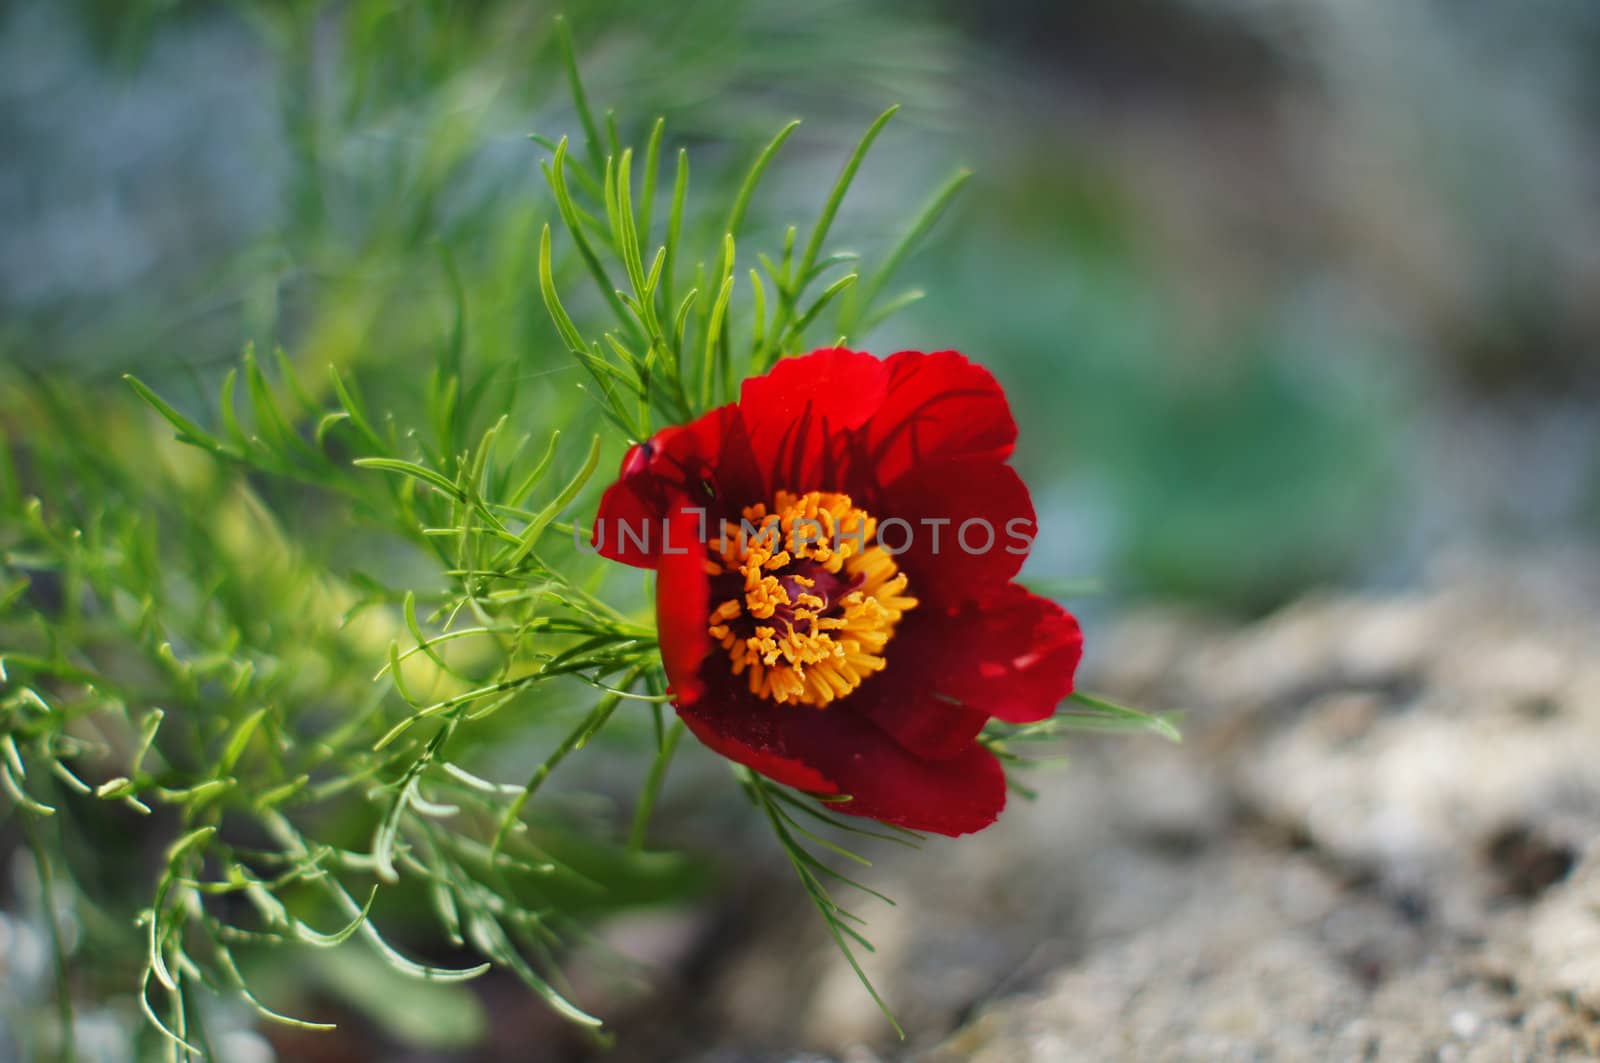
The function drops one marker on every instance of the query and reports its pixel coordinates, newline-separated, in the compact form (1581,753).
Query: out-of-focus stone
(1564,936)
(1378,841)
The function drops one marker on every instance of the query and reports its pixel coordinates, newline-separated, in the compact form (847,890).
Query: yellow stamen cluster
(793,644)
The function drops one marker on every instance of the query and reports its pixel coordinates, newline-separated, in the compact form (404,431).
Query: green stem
(41,860)
(591,725)
(652,787)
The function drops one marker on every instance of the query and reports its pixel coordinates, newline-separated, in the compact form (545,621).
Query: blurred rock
(1376,842)
(1409,868)
(1564,938)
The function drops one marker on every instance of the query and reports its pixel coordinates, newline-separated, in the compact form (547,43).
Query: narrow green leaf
(541,521)
(193,838)
(1111,711)
(580,99)
(148,726)
(592,723)
(286,835)
(409,609)
(155,1020)
(188,431)
(227,406)
(797,330)
(14,788)
(328,941)
(555,175)
(680,192)
(713,336)
(13,757)
(231,970)
(741,201)
(413,470)
(352,406)
(886,311)
(860,302)
(240,740)
(652,786)
(489,938)
(197,794)
(758,315)
(270,421)
(652,166)
(831,208)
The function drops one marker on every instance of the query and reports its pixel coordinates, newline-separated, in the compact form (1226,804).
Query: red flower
(834,555)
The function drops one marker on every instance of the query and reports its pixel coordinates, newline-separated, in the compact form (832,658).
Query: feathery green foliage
(294,747)
(303,733)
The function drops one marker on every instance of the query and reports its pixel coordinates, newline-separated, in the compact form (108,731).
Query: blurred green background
(1285,295)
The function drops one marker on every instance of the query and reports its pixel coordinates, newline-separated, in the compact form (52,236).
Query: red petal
(756,742)
(901,700)
(960,529)
(957,795)
(683,604)
(707,462)
(937,407)
(837,752)
(1014,656)
(925,724)
(628,525)
(800,414)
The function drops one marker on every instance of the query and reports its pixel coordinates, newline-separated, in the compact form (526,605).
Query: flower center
(807,601)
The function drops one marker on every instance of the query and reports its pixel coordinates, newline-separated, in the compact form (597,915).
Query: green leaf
(541,521)
(429,1015)
(652,785)
(652,167)
(860,304)
(798,329)
(317,939)
(714,337)
(741,201)
(155,1020)
(555,175)
(830,209)
(148,726)
(269,419)
(188,431)
(592,723)
(231,970)
(680,192)
(580,99)
(353,407)
(13,787)
(413,470)
(1098,714)
(192,839)
(806,867)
